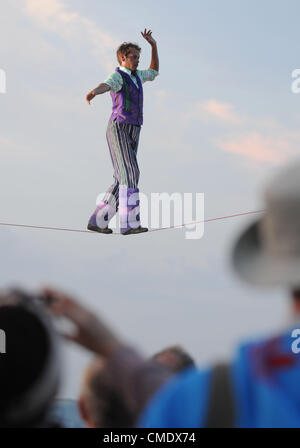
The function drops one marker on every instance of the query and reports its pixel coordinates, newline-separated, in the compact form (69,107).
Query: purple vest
(128,102)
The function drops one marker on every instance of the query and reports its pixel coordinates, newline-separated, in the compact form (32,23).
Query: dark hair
(124,49)
(184,360)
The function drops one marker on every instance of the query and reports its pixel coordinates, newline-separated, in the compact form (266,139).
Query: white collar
(125,69)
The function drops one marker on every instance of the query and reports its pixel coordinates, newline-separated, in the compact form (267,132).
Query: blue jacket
(265,382)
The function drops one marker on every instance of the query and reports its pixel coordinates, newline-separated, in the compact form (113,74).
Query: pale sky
(220,119)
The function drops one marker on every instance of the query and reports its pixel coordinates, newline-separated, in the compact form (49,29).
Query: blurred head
(174,358)
(29,369)
(99,403)
(267,253)
(128,55)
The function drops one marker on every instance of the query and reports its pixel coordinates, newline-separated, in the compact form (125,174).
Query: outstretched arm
(102,88)
(154,57)
(135,378)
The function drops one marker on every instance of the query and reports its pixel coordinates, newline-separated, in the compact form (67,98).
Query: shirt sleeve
(147,75)
(115,81)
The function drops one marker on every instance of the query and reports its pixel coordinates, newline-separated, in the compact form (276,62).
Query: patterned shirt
(115,80)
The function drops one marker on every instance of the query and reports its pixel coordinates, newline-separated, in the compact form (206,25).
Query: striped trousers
(122,139)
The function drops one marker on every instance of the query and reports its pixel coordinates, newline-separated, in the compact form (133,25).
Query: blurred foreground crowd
(120,388)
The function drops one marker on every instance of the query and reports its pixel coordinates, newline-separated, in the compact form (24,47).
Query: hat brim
(254,265)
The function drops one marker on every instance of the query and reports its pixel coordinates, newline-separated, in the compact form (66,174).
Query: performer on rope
(123,131)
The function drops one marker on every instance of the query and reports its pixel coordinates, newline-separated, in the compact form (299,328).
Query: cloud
(260,139)
(222,111)
(257,147)
(212,109)
(45,10)
(11,148)
(22,50)
(54,16)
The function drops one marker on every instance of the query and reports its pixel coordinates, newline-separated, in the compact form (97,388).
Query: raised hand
(148,36)
(91,332)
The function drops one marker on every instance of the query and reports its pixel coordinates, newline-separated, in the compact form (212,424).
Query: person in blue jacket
(260,387)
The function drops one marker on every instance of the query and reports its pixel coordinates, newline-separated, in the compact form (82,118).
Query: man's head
(175,358)
(99,403)
(128,55)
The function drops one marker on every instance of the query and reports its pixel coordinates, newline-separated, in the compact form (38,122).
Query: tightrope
(62,229)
